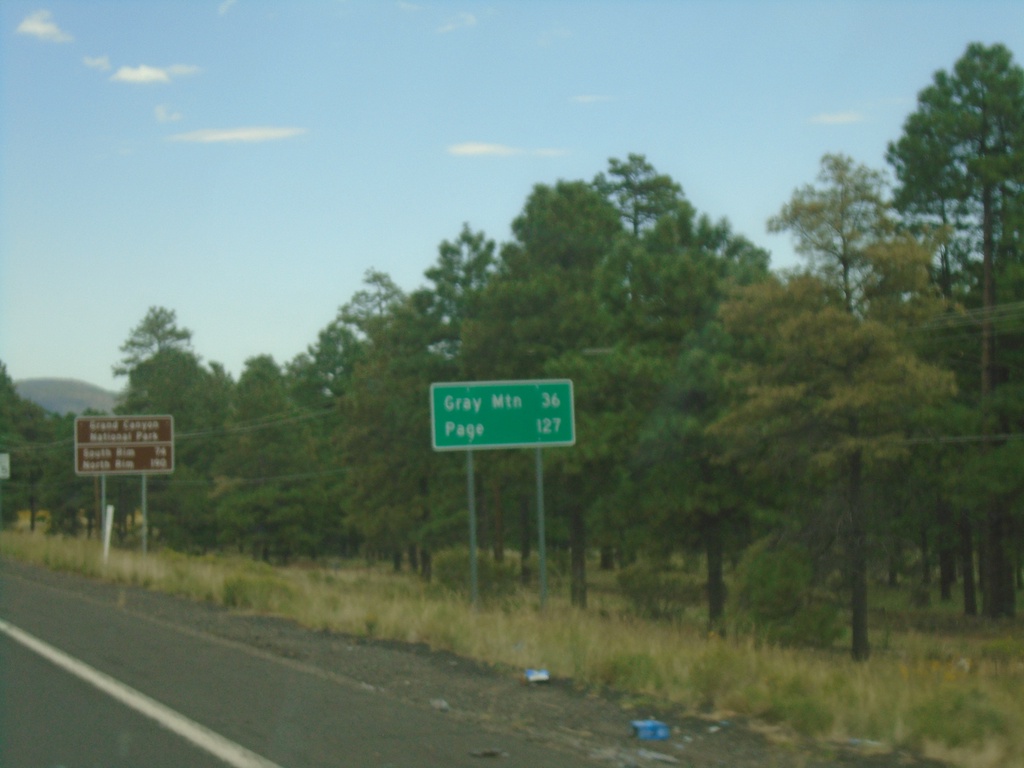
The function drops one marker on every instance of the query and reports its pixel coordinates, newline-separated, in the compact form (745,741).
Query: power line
(973,318)
(266,422)
(255,425)
(953,439)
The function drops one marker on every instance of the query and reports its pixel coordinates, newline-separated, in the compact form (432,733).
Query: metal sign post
(541,547)
(5,474)
(474,592)
(145,518)
(470,416)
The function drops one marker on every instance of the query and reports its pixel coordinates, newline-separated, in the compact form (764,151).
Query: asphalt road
(270,709)
(53,719)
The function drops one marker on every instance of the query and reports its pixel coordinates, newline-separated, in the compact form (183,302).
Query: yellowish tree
(828,380)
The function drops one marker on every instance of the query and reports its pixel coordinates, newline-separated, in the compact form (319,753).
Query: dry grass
(955,697)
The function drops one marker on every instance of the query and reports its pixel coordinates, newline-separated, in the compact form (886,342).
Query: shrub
(264,594)
(774,589)
(956,718)
(1004,650)
(659,593)
(795,703)
(715,675)
(494,579)
(628,671)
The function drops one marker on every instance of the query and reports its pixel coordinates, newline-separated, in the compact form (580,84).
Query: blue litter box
(650,729)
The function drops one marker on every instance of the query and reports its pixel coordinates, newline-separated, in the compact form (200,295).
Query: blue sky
(245,163)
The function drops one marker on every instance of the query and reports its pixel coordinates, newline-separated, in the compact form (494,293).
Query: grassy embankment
(953,693)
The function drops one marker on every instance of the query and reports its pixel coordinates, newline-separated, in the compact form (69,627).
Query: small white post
(108,526)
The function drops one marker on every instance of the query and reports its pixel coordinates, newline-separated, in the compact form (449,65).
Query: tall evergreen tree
(641,194)
(263,474)
(166,376)
(660,287)
(960,166)
(156,332)
(540,310)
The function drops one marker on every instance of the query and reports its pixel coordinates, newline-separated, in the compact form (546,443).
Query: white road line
(224,749)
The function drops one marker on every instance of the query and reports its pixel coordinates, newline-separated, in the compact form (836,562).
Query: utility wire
(267,422)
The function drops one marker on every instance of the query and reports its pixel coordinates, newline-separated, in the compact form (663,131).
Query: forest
(856,419)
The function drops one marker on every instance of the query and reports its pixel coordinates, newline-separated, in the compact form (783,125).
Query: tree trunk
(426,565)
(998,600)
(926,561)
(578,557)
(895,561)
(716,582)
(525,535)
(947,574)
(861,648)
(947,553)
(967,565)
(988,300)
(483,517)
(499,525)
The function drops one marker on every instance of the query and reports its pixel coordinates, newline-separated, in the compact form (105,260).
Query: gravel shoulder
(595,724)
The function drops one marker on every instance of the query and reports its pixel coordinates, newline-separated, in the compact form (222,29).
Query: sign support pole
(145,518)
(471,493)
(541,546)
(5,473)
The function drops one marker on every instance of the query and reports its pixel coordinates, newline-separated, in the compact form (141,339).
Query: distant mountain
(62,396)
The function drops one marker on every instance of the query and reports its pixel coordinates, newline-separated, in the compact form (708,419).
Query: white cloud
(40,24)
(224,7)
(147,74)
(102,63)
(838,118)
(478,148)
(462,21)
(141,74)
(481,149)
(164,114)
(236,135)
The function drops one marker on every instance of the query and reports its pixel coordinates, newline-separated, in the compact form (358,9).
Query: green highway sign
(468,415)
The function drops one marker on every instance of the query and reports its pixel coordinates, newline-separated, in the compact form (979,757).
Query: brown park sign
(124,445)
